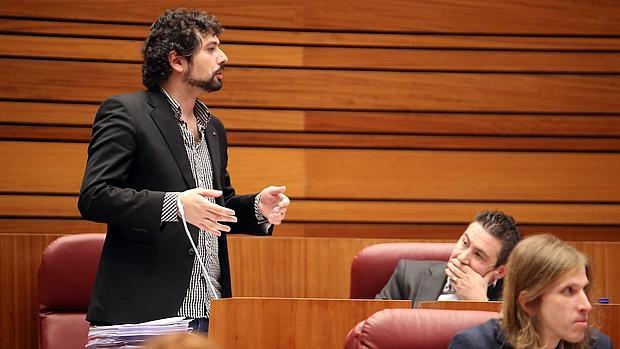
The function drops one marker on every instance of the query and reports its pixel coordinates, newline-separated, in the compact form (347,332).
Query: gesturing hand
(273,204)
(467,283)
(204,214)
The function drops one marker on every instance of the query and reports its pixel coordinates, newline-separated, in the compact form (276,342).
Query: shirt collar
(203,115)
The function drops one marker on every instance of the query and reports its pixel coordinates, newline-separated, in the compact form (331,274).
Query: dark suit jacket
(422,281)
(490,335)
(137,154)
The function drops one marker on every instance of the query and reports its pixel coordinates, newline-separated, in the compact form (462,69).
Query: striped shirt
(197,302)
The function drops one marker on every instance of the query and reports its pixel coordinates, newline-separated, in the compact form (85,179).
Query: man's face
(206,68)
(564,307)
(477,249)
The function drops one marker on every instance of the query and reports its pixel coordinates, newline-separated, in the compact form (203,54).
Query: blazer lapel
(431,284)
(163,117)
(213,144)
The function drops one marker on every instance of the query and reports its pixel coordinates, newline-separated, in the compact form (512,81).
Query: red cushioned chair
(413,328)
(66,277)
(372,267)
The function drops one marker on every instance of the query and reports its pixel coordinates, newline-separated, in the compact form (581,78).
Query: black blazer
(136,154)
(489,335)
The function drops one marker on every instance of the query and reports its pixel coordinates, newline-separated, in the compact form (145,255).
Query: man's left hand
(468,284)
(273,204)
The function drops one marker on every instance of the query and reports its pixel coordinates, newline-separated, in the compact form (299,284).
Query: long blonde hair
(534,264)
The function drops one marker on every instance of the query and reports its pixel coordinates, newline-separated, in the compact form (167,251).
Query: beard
(209,85)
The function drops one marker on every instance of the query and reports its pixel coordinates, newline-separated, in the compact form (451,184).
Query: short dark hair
(177,30)
(503,228)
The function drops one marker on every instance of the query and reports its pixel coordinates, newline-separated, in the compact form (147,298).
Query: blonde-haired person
(183,340)
(545,301)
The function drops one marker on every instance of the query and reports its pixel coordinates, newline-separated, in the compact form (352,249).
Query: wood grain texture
(456,16)
(320,267)
(410,175)
(20,256)
(266,323)
(297,267)
(321,38)
(328,57)
(56,226)
(456,106)
(390,142)
(415,231)
(326,89)
(318,211)
(345,141)
(440,231)
(344,123)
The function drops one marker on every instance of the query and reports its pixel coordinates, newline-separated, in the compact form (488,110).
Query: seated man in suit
(474,271)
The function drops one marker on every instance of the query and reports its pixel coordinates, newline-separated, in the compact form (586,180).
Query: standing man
(155,157)
(473,272)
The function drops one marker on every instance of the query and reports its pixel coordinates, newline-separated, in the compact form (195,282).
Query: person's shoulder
(132,97)
(486,335)
(127,100)
(600,340)
(415,263)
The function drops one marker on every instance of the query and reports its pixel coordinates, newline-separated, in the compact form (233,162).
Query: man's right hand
(204,214)
(467,283)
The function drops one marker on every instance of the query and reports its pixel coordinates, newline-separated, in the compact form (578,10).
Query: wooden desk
(289,323)
(605,317)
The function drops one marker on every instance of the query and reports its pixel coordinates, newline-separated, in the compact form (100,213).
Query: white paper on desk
(133,335)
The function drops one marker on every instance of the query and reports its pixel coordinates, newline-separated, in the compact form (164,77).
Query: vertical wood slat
(20,256)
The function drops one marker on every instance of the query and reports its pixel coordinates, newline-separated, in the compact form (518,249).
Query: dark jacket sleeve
(105,195)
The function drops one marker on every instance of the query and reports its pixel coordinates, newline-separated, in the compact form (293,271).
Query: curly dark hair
(177,29)
(503,228)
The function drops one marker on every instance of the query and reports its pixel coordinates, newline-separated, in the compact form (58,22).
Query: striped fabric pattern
(197,302)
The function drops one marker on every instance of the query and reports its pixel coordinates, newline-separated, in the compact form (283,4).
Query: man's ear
(177,62)
(501,271)
(523,303)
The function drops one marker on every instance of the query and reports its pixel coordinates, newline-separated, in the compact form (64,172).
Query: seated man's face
(478,249)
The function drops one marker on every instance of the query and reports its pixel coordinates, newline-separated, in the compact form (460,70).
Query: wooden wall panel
(326,89)
(328,57)
(299,267)
(413,175)
(20,256)
(42,167)
(457,16)
(373,212)
(367,230)
(261,323)
(326,38)
(343,123)
(291,269)
(392,120)
(251,138)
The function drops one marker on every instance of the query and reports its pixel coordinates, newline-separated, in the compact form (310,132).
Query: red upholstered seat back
(372,267)
(66,278)
(413,328)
